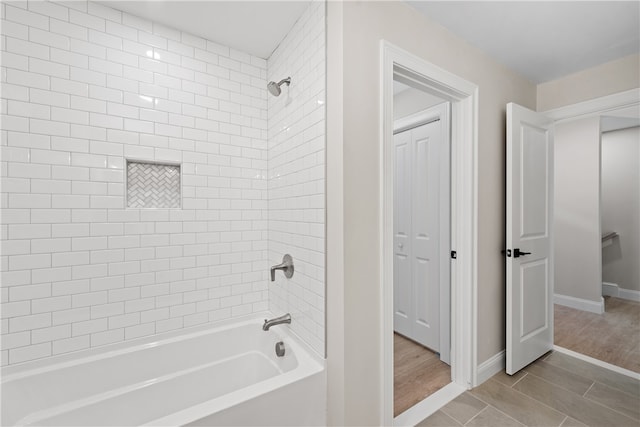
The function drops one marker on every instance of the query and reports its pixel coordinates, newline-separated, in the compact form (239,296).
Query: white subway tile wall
(296,174)
(84,87)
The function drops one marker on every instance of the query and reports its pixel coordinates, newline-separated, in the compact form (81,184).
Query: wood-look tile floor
(417,373)
(555,390)
(613,336)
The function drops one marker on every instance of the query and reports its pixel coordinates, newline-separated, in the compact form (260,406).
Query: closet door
(417,234)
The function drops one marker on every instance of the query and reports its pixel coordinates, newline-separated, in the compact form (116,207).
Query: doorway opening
(421,283)
(405,67)
(599,318)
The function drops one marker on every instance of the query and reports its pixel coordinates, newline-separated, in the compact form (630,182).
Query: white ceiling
(255,27)
(543,40)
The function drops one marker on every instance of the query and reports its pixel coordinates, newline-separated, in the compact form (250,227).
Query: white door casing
(529,260)
(463,95)
(420,231)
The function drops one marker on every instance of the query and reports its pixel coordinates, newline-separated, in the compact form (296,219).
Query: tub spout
(276,321)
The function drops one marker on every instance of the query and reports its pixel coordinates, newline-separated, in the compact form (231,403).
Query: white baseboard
(597,362)
(629,294)
(613,290)
(579,303)
(610,289)
(490,367)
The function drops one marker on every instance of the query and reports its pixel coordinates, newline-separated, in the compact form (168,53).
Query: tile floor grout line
(590,387)
(509,416)
(479,412)
(593,402)
(520,379)
(529,397)
(612,409)
(565,419)
(562,387)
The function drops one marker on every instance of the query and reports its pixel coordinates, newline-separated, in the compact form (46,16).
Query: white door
(529,236)
(417,234)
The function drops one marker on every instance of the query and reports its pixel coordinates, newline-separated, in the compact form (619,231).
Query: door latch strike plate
(454,255)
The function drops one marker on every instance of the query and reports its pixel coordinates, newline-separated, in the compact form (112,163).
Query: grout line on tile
(590,387)
(520,379)
(479,412)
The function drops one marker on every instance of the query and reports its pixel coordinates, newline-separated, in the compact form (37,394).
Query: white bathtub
(227,375)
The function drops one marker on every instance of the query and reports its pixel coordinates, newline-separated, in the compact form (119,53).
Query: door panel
(529,207)
(402,300)
(425,223)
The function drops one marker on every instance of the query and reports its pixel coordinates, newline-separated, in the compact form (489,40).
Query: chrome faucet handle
(286,265)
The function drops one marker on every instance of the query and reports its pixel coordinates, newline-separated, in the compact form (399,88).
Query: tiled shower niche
(153,185)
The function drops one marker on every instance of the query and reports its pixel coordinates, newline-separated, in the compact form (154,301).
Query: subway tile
(86,48)
(107,310)
(39,96)
(69,87)
(25,78)
(14,29)
(50,128)
(70,258)
(89,271)
(89,299)
(49,9)
(70,344)
(105,66)
(11,60)
(50,245)
(120,30)
(105,12)
(87,104)
(15,247)
(45,305)
(32,352)
(69,172)
(10,91)
(70,287)
(25,17)
(26,323)
(16,308)
(50,334)
(104,39)
(107,337)
(88,76)
(71,316)
(66,28)
(86,20)
(25,262)
(89,327)
(48,186)
(31,231)
(105,94)
(48,39)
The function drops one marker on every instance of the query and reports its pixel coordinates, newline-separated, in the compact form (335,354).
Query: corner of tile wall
(297,175)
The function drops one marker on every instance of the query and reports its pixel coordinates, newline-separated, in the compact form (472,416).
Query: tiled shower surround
(86,88)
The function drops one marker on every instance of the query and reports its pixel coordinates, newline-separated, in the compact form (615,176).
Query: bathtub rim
(23,370)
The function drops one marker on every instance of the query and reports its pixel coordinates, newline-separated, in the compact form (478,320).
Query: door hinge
(454,255)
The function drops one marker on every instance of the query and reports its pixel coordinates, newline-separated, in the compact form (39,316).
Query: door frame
(463,97)
(431,114)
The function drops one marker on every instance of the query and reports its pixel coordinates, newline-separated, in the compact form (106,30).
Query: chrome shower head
(274,87)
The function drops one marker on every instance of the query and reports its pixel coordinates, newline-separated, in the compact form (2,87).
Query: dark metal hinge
(454,255)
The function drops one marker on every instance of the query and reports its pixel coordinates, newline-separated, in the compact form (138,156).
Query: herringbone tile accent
(152,185)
